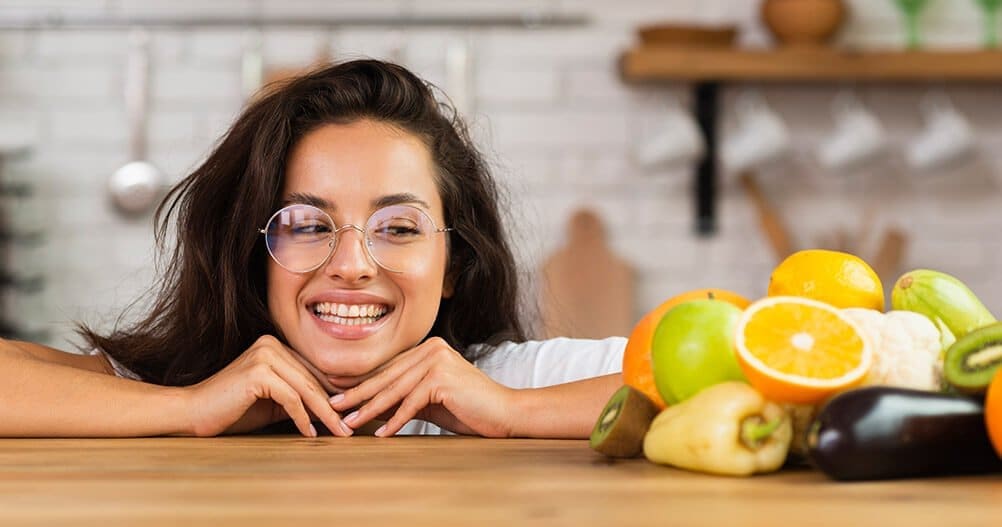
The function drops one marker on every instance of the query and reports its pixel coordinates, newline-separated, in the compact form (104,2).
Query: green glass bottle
(912,9)
(991,12)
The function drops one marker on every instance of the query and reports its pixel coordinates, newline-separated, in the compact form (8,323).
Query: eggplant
(882,432)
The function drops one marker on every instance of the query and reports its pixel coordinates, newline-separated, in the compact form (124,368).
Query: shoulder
(538,363)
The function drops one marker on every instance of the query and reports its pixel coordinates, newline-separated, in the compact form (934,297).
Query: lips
(349,315)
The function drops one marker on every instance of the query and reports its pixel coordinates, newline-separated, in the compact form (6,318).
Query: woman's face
(349,171)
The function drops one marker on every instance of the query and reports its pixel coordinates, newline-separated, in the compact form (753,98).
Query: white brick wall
(551,113)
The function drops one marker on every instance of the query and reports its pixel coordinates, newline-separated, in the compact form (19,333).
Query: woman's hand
(435,383)
(266,384)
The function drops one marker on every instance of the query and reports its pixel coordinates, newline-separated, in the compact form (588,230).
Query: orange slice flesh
(799,350)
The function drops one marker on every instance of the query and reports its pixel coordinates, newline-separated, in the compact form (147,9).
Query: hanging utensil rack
(16,281)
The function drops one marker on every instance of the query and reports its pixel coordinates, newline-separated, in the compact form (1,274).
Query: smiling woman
(341,251)
(352,168)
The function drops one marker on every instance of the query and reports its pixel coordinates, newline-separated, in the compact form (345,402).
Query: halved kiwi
(971,362)
(620,429)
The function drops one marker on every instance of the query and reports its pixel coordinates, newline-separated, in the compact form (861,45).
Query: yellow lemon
(837,278)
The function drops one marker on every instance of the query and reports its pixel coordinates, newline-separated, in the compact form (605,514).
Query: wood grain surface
(287,480)
(654,63)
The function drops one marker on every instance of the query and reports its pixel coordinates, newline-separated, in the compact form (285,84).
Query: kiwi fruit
(973,359)
(620,429)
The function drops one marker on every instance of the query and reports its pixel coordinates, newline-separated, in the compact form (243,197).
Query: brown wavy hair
(209,304)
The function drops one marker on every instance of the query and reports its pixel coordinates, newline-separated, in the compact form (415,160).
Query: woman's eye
(402,231)
(310,228)
(399,230)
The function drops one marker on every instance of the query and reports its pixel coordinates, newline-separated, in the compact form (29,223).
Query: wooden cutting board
(586,291)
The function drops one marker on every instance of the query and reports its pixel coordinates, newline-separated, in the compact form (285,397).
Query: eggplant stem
(754,431)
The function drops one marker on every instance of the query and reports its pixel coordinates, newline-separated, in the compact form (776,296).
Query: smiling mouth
(349,314)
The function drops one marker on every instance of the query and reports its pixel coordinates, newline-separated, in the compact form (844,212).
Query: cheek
(423,289)
(428,277)
(282,295)
(422,286)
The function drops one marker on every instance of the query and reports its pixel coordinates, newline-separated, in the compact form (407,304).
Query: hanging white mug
(678,142)
(761,135)
(858,136)
(947,137)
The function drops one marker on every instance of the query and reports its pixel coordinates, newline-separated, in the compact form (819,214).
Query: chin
(339,360)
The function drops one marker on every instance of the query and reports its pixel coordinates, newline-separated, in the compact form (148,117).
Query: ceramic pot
(803,22)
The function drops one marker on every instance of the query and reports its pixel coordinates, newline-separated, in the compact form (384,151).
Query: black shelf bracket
(707,110)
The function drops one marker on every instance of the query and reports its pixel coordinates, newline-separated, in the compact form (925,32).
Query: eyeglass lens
(301,237)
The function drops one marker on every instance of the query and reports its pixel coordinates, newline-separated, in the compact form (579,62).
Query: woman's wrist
(535,412)
(179,409)
(566,411)
(522,411)
(519,405)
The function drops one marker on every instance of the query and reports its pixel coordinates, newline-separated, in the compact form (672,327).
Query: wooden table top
(259,480)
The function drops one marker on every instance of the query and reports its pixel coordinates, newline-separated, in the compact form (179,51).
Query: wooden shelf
(808,65)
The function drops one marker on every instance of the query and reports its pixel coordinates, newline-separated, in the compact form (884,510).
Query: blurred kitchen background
(541,83)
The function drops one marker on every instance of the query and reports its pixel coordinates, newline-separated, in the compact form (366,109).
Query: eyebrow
(380,202)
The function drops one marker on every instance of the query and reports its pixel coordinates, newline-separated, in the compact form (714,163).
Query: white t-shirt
(540,363)
(532,364)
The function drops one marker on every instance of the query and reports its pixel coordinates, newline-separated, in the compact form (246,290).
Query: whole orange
(834,277)
(637,370)
(993,411)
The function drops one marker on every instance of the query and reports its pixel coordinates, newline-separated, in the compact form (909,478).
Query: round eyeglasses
(301,238)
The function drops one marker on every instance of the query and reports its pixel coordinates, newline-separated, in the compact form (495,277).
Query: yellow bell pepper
(727,429)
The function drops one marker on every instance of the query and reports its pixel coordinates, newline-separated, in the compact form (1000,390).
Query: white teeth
(349,315)
(358,321)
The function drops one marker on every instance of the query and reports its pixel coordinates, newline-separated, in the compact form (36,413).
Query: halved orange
(799,350)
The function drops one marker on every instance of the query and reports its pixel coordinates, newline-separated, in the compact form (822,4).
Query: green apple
(693,348)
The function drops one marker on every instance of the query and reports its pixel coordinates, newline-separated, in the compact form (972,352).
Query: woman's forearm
(563,411)
(39,398)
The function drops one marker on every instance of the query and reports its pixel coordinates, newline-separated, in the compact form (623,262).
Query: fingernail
(338,397)
(313,430)
(380,431)
(347,429)
(352,417)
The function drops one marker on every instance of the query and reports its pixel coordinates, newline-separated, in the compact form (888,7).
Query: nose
(350,260)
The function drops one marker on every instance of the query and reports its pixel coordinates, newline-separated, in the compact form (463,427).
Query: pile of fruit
(816,371)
